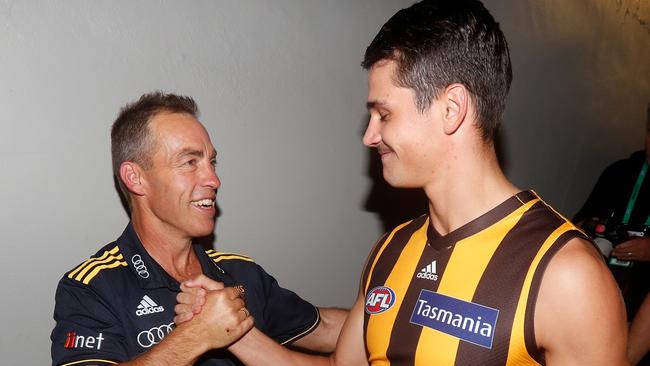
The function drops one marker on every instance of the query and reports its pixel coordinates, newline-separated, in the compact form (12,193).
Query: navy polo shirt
(120,303)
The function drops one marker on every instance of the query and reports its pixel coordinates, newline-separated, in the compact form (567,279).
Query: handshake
(217,313)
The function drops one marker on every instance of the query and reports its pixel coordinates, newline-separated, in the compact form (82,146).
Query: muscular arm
(180,347)
(218,326)
(322,339)
(579,316)
(256,349)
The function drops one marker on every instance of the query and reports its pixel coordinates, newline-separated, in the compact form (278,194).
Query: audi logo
(139,266)
(148,338)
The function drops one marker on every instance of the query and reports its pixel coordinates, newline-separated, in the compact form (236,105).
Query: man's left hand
(193,296)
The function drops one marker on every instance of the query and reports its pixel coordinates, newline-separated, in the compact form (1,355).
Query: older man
(118,306)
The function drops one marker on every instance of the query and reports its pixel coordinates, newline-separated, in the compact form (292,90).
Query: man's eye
(190,162)
(383,117)
(213,163)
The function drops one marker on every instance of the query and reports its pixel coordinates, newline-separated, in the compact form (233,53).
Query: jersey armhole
(529,323)
(89,362)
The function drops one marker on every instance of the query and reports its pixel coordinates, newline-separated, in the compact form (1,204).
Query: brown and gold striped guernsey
(466,298)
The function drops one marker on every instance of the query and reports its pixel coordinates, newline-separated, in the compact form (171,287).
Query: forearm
(323,338)
(256,349)
(179,348)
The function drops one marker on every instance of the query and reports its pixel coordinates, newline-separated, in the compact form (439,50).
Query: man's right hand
(193,296)
(223,318)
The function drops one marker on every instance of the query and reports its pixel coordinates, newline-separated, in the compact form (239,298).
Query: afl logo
(379,299)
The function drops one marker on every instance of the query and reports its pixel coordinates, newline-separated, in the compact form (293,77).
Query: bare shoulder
(579,314)
(575,266)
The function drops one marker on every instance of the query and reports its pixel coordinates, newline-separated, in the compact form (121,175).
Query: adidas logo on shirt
(428,272)
(148,306)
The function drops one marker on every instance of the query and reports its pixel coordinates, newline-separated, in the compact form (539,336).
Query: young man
(118,306)
(491,275)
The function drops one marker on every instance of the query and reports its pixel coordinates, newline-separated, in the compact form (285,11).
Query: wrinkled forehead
(174,132)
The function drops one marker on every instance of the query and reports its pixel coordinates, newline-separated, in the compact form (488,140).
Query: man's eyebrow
(195,152)
(190,152)
(375,103)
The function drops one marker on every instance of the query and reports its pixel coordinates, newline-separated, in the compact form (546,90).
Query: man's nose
(371,137)
(211,178)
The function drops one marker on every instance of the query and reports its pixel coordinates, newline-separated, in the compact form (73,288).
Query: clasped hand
(221,310)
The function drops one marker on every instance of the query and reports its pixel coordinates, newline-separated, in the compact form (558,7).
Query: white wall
(282,94)
(580,90)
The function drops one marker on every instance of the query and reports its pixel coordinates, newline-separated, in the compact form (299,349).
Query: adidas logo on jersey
(428,272)
(148,306)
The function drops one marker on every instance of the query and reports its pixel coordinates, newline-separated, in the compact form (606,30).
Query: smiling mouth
(384,151)
(204,203)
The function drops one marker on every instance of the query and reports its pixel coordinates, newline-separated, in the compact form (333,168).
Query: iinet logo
(72,340)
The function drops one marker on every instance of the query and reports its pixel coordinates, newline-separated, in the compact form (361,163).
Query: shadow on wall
(398,205)
(206,242)
(393,206)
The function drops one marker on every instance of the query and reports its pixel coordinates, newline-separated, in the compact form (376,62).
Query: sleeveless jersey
(466,298)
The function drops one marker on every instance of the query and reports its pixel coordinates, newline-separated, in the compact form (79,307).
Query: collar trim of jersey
(149,273)
(488,219)
(128,251)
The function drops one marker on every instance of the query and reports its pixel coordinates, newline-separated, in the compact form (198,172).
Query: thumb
(204,282)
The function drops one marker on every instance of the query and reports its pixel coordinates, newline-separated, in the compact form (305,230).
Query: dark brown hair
(436,43)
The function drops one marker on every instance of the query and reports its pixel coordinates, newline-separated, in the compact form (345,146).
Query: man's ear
(131,175)
(456,99)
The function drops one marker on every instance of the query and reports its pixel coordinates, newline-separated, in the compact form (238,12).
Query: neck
(172,251)
(471,186)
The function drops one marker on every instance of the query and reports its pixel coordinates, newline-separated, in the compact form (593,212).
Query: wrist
(195,337)
(246,342)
